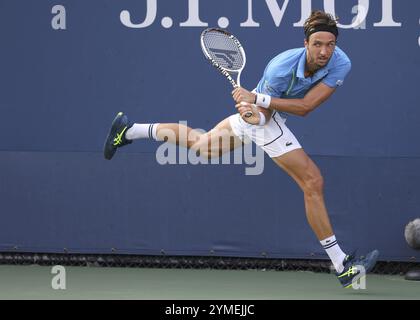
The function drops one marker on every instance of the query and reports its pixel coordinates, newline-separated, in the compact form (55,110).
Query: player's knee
(313,184)
(195,142)
(207,154)
(203,148)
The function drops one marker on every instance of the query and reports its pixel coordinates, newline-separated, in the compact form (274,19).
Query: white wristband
(262,119)
(263,100)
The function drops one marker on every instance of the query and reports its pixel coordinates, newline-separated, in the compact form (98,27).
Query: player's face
(320,48)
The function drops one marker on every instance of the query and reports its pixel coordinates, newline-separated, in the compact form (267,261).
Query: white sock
(142,130)
(334,252)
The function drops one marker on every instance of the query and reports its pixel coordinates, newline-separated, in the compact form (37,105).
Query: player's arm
(301,107)
(242,95)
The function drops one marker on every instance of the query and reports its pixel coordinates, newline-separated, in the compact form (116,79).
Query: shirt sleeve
(272,84)
(335,77)
(272,88)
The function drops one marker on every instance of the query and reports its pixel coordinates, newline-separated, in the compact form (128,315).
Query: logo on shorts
(339,82)
(288,144)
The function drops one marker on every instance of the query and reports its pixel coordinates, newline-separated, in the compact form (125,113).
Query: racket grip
(248,114)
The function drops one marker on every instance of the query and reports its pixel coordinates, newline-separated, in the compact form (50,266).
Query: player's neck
(310,68)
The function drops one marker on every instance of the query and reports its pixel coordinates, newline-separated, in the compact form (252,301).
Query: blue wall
(59,90)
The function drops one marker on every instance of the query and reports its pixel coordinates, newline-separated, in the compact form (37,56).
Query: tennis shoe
(353,268)
(116,136)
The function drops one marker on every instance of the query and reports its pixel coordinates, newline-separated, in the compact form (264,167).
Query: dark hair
(320,21)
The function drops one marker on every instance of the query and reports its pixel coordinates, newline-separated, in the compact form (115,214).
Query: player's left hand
(242,95)
(244,107)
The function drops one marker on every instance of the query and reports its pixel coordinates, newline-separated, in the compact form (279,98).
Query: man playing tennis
(295,82)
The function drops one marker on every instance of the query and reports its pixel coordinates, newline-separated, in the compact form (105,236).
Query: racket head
(225,52)
(223,49)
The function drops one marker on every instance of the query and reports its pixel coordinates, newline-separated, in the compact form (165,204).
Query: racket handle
(238,84)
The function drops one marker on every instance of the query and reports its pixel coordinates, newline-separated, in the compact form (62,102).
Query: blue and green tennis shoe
(116,136)
(355,269)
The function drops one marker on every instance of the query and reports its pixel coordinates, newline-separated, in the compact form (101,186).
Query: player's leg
(308,176)
(211,144)
(283,147)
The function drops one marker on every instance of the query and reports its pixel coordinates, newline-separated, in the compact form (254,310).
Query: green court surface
(34,282)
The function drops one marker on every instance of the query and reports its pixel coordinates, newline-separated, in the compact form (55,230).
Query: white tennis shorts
(274,137)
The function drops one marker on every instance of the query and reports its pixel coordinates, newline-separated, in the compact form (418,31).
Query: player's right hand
(245,107)
(240,94)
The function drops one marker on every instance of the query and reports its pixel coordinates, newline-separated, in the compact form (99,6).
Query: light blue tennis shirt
(284,76)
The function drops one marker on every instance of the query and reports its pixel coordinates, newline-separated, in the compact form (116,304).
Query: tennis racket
(225,53)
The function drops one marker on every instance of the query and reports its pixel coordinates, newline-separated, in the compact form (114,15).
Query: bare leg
(211,144)
(307,175)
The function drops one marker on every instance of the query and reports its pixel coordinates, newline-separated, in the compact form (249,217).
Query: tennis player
(295,82)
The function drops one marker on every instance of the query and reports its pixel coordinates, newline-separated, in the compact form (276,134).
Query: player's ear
(305,43)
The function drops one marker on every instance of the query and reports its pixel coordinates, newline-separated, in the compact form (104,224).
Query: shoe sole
(109,148)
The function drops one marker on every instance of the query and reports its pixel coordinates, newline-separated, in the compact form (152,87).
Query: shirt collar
(301,65)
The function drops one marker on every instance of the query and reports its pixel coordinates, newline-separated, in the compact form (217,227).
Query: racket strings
(224,50)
